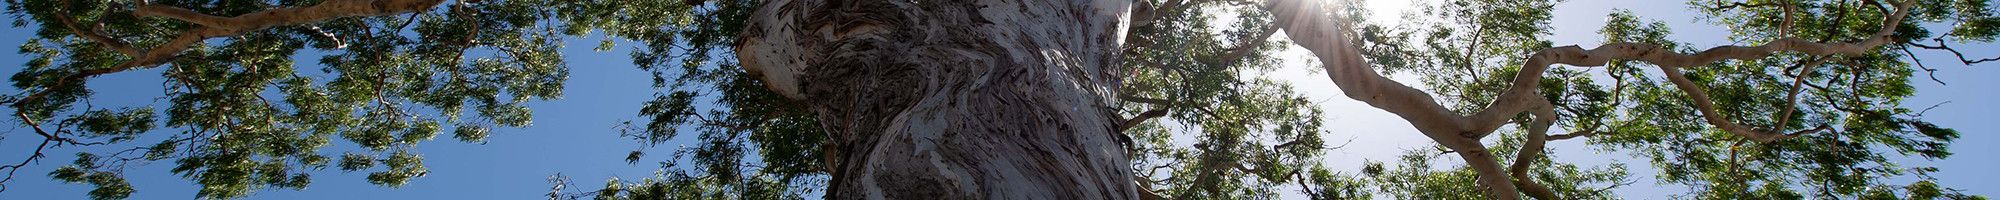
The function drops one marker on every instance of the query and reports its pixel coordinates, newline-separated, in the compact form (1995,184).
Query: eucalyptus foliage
(241,114)
(1466,51)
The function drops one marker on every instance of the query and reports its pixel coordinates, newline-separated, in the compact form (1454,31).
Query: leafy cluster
(1627,107)
(1420,175)
(1227,130)
(746,141)
(239,115)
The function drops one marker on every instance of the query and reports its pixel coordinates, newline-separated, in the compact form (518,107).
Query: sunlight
(1386,11)
(1387,135)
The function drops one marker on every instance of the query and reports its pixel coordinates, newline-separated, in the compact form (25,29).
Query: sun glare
(1386,11)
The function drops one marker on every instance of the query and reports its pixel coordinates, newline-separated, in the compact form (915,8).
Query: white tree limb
(1307,24)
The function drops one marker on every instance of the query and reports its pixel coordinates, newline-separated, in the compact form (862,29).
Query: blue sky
(574,135)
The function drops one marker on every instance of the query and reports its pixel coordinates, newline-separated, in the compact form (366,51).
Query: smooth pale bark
(1309,26)
(1308,23)
(992,99)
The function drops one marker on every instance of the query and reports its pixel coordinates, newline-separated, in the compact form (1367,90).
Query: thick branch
(1792,97)
(1146,189)
(1490,174)
(288,16)
(1143,14)
(1531,151)
(1139,99)
(1142,117)
(1670,61)
(1572,135)
(1734,5)
(1307,24)
(213,26)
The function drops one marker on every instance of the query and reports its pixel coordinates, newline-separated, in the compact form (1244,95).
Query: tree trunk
(986,99)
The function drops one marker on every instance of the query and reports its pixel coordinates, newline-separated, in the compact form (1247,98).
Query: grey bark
(988,99)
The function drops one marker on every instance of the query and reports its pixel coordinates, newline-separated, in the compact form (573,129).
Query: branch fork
(1306,23)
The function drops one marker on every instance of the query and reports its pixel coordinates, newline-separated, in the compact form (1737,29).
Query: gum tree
(996,98)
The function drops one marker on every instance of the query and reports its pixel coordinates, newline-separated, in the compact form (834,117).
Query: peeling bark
(990,99)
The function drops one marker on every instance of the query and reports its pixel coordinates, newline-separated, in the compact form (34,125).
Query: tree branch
(1671,62)
(337,42)
(1531,151)
(211,27)
(1573,135)
(1941,45)
(287,16)
(1142,117)
(220,27)
(1244,48)
(1307,24)
(1920,65)
(1144,14)
(1146,190)
(91,33)
(1792,97)
(1734,5)
(1301,177)
(24,163)
(37,155)
(1308,27)
(1136,98)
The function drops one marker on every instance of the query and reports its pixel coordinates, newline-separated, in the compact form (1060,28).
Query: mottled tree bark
(987,99)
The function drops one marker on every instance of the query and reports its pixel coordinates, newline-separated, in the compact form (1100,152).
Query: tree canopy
(241,116)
